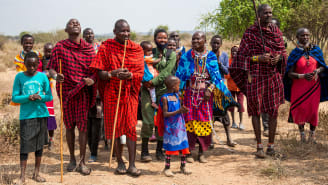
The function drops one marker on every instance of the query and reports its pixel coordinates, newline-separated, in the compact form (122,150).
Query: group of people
(182,92)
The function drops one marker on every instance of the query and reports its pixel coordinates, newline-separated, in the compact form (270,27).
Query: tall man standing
(78,93)
(108,62)
(258,74)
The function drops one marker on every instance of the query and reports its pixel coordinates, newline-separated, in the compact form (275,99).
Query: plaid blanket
(109,57)
(75,59)
(265,91)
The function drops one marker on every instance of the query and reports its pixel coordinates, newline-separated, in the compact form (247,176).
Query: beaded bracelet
(255,58)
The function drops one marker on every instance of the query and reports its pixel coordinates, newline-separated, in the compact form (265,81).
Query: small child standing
(175,140)
(150,71)
(31,89)
(52,125)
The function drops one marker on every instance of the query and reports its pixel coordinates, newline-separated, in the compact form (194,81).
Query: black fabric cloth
(94,129)
(33,134)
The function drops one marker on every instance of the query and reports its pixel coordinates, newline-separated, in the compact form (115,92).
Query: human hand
(275,60)
(207,94)
(35,96)
(88,81)
(148,84)
(309,76)
(125,75)
(115,72)
(183,109)
(266,58)
(60,78)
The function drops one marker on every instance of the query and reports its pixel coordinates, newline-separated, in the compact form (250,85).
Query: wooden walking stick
(117,107)
(61,123)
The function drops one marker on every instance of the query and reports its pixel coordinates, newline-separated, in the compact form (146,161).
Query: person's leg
(201,156)
(132,170)
(302,134)
(183,168)
(265,123)
(232,111)
(240,99)
(70,138)
(121,169)
(167,171)
(257,131)
(226,124)
(23,162)
(36,175)
(82,168)
(51,139)
(147,123)
(96,136)
(93,138)
(312,134)
(89,131)
(272,133)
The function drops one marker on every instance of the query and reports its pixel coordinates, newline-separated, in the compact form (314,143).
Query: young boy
(31,90)
(47,49)
(236,93)
(175,140)
(150,71)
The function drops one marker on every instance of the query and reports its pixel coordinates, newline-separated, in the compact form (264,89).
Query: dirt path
(224,167)
(304,164)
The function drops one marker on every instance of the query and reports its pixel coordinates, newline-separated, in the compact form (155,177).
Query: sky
(100,15)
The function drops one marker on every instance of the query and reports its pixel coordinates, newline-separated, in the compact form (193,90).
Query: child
(172,45)
(27,42)
(175,136)
(150,71)
(236,93)
(47,49)
(31,89)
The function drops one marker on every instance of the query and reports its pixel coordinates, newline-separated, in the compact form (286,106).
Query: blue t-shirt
(24,86)
(224,59)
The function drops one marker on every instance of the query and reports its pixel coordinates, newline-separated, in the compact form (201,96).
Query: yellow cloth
(200,128)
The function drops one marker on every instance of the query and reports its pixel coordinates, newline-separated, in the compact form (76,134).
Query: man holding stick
(108,62)
(74,56)
(257,71)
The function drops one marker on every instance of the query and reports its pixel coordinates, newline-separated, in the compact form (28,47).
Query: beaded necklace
(200,69)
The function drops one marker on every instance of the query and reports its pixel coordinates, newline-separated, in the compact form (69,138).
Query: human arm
(170,64)
(17,95)
(47,95)
(182,110)
(294,75)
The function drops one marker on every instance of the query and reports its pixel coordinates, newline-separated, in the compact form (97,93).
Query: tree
(233,17)
(165,27)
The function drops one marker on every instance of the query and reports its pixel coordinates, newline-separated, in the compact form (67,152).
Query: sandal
(83,169)
(134,172)
(121,169)
(71,166)
(38,178)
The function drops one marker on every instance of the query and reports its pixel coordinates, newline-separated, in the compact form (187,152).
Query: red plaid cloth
(200,113)
(265,93)
(109,57)
(77,99)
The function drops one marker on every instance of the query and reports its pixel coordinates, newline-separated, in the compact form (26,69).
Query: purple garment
(52,123)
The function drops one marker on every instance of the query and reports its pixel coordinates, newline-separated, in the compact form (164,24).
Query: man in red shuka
(108,62)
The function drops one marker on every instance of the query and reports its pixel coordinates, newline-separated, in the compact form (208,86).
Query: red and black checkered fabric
(109,57)
(265,92)
(77,97)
